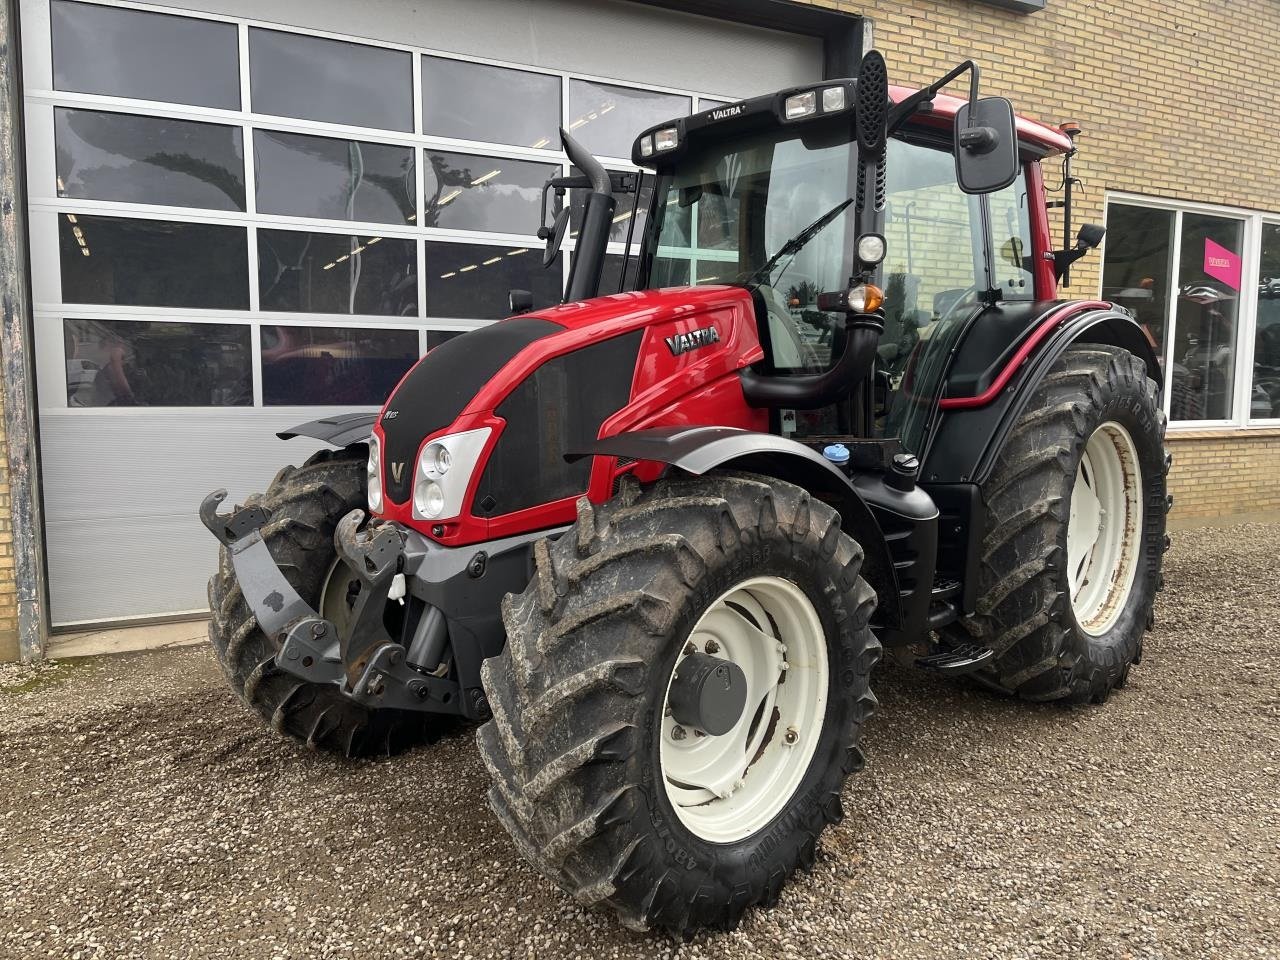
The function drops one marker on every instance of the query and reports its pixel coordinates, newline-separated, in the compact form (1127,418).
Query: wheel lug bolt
(713,647)
(689,648)
(677,733)
(698,733)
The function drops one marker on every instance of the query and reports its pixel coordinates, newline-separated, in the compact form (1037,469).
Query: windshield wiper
(795,244)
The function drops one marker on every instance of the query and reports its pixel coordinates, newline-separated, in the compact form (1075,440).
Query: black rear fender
(698,450)
(341,430)
(966,442)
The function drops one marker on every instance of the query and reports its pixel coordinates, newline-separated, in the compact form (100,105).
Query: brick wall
(1218,473)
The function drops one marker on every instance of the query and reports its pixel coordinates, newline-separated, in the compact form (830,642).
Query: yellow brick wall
(1218,473)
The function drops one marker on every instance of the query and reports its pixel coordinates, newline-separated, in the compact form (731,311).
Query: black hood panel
(441,385)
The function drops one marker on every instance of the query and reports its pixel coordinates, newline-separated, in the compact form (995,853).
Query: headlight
(666,139)
(443,473)
(374,472)
(832,99)
(646,147)
(801,105)
(871,248)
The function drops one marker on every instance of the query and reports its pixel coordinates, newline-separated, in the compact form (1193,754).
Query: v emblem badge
(397,471)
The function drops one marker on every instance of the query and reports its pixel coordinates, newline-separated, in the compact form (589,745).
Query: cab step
(957,661)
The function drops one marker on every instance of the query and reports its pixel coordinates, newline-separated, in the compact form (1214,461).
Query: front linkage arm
(366,664)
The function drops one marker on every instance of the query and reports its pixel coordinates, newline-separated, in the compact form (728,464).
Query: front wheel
(681,698)
(1075,531)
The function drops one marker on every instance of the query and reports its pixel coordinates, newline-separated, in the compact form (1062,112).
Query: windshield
(734,205)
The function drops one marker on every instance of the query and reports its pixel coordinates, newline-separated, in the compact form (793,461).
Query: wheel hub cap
(727,786)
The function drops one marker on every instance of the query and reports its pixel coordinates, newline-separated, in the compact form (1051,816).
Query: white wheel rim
(1104,532)
(728,787)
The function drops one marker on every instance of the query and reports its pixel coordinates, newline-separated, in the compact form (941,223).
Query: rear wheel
(609,781)
(1075,531)
(305,504)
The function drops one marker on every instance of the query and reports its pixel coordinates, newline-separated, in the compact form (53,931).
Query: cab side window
(1012,263)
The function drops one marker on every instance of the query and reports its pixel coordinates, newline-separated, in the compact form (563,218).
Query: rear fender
(698,450)
(968,440)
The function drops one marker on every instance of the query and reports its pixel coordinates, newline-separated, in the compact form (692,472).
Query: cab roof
(1031,133)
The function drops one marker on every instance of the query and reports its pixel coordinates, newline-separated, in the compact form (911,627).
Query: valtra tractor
(654,541)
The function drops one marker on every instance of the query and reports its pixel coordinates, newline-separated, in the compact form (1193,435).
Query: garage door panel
(116,568)
(154,465)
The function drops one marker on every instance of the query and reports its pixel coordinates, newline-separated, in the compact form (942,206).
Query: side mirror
(519,301)
(986,145)
(1090,236)
(554,236)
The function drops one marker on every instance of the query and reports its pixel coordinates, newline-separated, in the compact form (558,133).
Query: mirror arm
(904,110)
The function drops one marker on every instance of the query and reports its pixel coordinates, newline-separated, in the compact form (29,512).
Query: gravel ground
(143,813)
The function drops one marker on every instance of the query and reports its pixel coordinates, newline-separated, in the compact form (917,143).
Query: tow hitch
(365,662)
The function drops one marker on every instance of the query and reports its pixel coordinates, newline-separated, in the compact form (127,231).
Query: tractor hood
(562,377)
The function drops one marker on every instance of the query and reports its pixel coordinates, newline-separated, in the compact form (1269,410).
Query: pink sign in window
(1221,264)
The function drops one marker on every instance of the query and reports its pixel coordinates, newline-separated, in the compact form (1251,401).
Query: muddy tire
(305,504)
(1075,533)
(581,747)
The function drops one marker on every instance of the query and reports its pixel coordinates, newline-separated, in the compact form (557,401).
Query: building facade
(223,218)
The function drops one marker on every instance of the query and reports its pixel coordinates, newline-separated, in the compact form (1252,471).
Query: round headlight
(435,461)
(373,488)
(871,248)
(428,498)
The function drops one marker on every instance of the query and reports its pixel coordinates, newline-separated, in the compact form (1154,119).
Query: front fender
(340,431)
(698,450)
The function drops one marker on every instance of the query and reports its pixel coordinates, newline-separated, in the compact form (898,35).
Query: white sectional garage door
(239,225)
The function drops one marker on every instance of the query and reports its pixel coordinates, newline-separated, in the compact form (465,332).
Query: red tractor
(656,540)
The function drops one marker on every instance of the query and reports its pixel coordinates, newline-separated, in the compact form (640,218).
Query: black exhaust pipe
(597,218)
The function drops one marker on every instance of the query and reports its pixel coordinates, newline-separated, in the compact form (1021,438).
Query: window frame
(44,206)
(1247,311)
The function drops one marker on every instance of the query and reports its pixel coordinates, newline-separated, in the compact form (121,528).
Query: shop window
(337,273)
(137,159)
(476,101)
(498,194)
(1138,267)
(628,204)
(1206,314)
(305,176)
(1265,398)
(469,280)
(314,78)
(325,365)
(606,119)
(145,56)
(126,363)
(152,263)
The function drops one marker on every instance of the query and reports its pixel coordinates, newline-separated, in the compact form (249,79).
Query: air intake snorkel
(597,216)
(863,321)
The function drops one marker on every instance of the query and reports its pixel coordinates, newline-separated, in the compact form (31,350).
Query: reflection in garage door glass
(337,273)
(466,192)
(323,365)
(471,280)
(152,263)
(120,156)
(126,363)
(304,176)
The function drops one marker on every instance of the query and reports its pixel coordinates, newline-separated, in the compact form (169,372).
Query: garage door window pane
(1139,263)
(1207,312)
(467,192)
(325,365)
(627,203)
(437,337)
(302,176)
(476,101)
(125,363)
(1266,349)
(152,263)
(135,159)
(336,273)
(607,119)
(472,281)
(332,80)
(146,56)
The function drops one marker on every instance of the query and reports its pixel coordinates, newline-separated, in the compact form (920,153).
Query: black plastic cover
(556,409)
(440,386)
